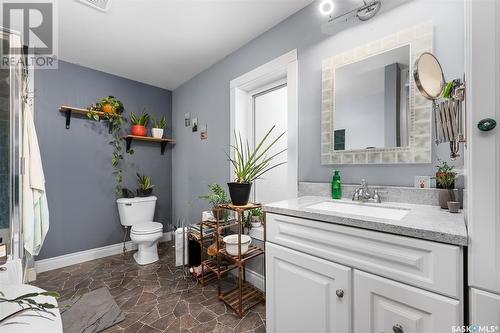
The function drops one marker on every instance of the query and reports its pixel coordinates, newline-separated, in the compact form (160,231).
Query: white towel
(34,202)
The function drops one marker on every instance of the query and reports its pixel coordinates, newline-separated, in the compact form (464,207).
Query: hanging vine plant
(116,121)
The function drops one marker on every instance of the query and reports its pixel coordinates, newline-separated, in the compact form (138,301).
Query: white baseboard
(254,278)
(87,255)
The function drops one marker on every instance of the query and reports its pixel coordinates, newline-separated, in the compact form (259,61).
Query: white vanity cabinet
(324,277)
(383,305)
(306,294)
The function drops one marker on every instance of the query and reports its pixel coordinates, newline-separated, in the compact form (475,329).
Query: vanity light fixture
(326,7)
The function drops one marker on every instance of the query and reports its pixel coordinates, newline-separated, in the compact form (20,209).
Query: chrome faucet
(364,193)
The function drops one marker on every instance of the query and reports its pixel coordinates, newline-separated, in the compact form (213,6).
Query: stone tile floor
(149,295)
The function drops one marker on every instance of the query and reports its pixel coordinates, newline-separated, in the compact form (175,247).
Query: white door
(485,309)
(386,306)
(305,293)
(259,99)
(483,155)
(270,108)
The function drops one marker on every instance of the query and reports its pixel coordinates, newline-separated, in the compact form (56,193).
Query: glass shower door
(10,129)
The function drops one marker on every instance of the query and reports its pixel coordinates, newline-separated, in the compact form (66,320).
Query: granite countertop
(422,221)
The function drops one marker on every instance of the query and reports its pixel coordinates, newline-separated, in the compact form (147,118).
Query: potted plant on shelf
(255,216)
(445,181)
(215,197)
(139,124)
(116,121)
(249,165)
(145,185)
(110,105)
(158,126)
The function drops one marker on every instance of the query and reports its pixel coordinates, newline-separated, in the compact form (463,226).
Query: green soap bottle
(336,185)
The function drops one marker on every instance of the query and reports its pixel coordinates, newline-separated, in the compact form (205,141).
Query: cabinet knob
(340,293)
(487,124)
(397,328)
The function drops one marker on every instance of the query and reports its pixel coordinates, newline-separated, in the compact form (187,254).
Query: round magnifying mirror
(429,76)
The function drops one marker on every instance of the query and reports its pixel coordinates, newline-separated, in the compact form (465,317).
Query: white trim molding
(283,69)
(87,255)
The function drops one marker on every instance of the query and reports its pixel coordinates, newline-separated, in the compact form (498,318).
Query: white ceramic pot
(157,133)
(231,242)
(256,222)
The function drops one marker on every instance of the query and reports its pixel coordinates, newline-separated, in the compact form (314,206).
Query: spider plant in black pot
(250,164)
(145,185)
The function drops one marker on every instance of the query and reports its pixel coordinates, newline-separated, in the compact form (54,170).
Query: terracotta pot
(139,130)
(446,195)
(108,108)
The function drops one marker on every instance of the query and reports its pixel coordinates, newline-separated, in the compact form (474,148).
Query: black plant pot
(144,193)
(240,193)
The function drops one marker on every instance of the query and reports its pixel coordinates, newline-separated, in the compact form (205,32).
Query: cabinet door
(485,309)
(483,148)
(306,294)
(382,305)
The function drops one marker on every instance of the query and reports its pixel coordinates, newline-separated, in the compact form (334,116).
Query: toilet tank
(136,210)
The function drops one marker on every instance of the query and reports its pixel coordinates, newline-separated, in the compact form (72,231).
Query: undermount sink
(360,209)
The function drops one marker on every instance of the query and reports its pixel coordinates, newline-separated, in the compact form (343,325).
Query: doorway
(260,99)
(270,109)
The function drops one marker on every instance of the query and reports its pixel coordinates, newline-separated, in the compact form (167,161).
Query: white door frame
(241,91)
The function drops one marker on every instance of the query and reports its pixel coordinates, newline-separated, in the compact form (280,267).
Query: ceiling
(164,43)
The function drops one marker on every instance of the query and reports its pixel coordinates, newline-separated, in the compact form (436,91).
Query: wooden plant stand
(244,296)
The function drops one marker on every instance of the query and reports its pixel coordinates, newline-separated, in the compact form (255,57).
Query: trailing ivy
(116,121)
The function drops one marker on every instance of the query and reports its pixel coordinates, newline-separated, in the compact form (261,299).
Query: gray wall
(206,96)
(79,180)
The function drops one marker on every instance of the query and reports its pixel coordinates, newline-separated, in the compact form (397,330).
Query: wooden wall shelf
(163,142)
(69,111)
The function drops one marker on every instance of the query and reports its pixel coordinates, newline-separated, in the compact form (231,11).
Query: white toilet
(138,213)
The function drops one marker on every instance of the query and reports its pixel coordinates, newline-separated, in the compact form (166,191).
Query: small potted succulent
(158,126)
(145,186)
(215,197)
(445,181)
(110,105)
(249,165)
(139,124)
(256,215)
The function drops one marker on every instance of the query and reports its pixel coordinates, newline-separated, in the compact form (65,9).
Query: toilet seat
(146,228)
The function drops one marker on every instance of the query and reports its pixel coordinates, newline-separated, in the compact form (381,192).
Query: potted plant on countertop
(145,186)
(158,126)
(139,124)
(215,197)
(445,181)
(249,165)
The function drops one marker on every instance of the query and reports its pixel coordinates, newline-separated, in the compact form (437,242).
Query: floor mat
(91,312)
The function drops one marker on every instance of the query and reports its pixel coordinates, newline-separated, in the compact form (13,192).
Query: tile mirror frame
(419,150)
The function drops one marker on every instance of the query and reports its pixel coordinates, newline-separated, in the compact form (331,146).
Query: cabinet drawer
(382,305)
(430,265)
(306,294)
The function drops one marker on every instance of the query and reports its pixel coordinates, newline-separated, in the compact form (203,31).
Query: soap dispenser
(336,185)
